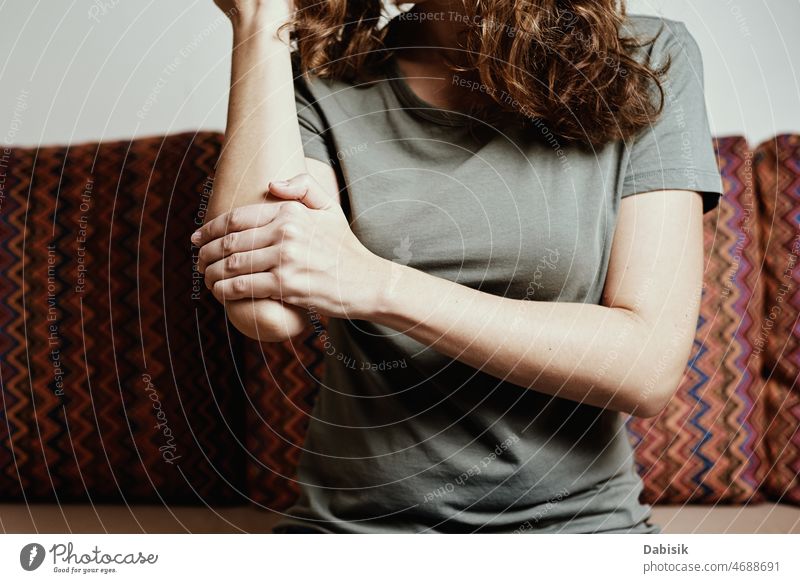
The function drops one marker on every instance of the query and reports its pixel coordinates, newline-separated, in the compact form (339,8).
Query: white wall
(78,70)
(751,53)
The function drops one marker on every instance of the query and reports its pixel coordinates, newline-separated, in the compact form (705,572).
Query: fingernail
(279,183)
(196,237)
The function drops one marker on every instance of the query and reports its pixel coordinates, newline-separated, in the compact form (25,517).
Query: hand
(300,251)
(274,12)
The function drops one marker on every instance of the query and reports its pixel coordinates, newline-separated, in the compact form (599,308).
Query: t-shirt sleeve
(676,152)
(312,127)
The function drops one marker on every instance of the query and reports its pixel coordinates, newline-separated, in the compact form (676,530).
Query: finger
(238,219)
(244,263)
(302,188)
(254,286)
(222,247)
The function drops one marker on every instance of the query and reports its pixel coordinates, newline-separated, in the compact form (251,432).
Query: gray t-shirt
(405,439)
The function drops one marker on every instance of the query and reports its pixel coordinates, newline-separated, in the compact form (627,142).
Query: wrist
(261,21)
(383,302)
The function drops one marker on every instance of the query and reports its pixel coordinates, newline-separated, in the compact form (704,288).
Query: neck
(437,35)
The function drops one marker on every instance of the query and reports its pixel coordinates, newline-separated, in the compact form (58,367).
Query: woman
(498,205)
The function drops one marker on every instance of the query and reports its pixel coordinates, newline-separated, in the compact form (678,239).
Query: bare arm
(628,354)
(262,143)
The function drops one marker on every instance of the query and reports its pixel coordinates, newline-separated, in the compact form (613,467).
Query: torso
(403,438)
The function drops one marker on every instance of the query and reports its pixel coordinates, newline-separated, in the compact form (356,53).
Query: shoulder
(661,29)
(670,39)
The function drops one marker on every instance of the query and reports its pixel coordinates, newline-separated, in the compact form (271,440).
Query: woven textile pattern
(282,383)
(778,170)
(105,357)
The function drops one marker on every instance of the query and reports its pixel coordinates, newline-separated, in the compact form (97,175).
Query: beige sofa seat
(77,519)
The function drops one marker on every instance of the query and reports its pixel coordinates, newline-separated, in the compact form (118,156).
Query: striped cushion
(705,447)
(105,354)
(778,171)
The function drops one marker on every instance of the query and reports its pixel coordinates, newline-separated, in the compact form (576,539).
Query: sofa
(129,404)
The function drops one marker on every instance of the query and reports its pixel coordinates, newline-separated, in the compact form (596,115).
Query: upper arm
(672,178)
(314,133)
(676,149)
(655,274)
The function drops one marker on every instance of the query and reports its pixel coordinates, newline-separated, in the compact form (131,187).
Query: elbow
(657,371)
(650,398)
(651,406)
(265,320)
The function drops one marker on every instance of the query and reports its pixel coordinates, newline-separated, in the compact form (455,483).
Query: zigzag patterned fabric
(706,446)
(282,381)
(118,380)
(778,170)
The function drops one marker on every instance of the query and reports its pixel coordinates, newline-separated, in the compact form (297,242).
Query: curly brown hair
(564,63)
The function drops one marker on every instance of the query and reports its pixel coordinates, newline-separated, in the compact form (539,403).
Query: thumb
(302,188)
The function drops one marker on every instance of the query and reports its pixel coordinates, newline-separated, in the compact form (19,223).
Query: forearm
(262,142)
(262,136)
(606,357)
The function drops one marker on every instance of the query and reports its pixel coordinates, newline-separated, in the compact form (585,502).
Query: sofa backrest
(778,172)
(120,381)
